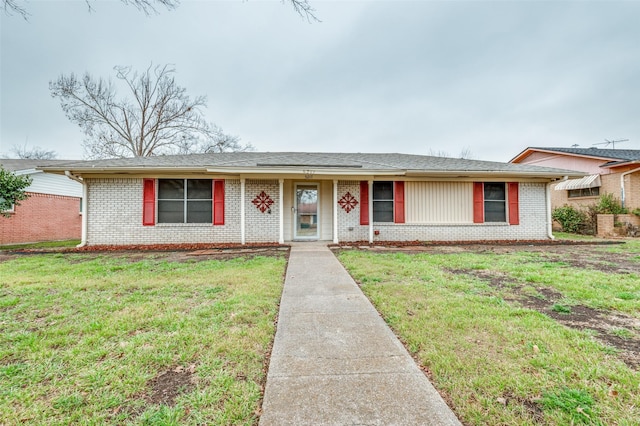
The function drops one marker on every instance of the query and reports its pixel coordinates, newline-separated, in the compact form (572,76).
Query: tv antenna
(613,143)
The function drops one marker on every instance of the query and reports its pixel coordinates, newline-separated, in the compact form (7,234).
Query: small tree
(12,190)
(157,117)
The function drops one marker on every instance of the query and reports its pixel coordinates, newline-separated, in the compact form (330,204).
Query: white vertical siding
(439,202)
(288,198)
(326,210)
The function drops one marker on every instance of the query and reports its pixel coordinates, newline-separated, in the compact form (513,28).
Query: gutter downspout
(67,173)
(622,194)
(548,201)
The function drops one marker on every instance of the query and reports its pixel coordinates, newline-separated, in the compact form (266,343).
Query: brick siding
(262,226)
(532,222)
(610,185)
(115,217)
(42,217)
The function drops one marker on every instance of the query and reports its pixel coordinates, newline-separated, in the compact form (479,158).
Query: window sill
(183,225)
(440,224)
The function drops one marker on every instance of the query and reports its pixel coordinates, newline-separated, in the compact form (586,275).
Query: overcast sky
(374,76)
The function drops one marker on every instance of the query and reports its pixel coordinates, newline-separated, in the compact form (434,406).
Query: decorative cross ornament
(262,202)
(348,202)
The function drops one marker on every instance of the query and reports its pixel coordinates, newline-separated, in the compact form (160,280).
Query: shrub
(570,218)
(636,212)
(608,204)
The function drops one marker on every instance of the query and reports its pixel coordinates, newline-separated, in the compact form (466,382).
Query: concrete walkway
(335,361)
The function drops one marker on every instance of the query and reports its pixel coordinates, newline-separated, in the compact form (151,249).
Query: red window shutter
(398,202)
(149,202)
(364,202)
(514,208)
(478,202)
(218,202)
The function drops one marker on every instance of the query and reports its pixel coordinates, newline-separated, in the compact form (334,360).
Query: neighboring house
(52,211)
(615,171)
(251,197)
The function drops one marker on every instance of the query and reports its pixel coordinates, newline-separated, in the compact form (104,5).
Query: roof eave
(527,152)
(496,173)
(620,164)
(124,170)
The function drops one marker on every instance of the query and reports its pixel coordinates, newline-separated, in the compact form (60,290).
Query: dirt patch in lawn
(590,256)
(586,255)
(580,317)
(167,386)
(162,255)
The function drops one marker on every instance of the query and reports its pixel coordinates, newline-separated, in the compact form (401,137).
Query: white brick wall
(262,227)
(115,217)
(532,222)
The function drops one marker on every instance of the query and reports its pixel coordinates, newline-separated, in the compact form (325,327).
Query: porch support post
(370,212)
(242,214)
(335,211)
(547,196)
(85,214)
(281,211)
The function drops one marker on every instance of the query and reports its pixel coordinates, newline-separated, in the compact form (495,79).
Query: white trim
(547,195)
(84,213)
(318,211)
(622,191)
(281,211)
(242,212)
(335,211)
(370,185)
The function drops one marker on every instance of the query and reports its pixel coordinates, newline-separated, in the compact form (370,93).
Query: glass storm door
(306,210)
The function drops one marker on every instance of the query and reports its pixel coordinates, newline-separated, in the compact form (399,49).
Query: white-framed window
(185,200)
(11,209)
(495,202)
(383,201)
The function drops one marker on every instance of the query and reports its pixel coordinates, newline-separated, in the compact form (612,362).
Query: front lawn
(106,339)
(517,335)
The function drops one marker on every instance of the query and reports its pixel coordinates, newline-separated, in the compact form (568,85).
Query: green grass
(481,347)
(575,237)
(46,244)
(83,338)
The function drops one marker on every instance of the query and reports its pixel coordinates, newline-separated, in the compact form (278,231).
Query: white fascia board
(493,174)
(301,170)
(27,172)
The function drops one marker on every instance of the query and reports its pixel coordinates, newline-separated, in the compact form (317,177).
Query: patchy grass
(574,237)
(105,340)
(496,361)
(45,244)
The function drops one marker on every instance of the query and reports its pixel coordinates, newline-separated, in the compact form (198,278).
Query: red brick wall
(42,217)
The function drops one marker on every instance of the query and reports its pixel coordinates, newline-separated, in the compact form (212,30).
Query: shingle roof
(15,164)
(352,161)
(612,154)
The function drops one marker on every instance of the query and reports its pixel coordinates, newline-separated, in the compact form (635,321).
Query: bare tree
(465,153)
(157,117)
(35,153)
(302,7)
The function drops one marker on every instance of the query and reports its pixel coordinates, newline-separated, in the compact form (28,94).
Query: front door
(306,210)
